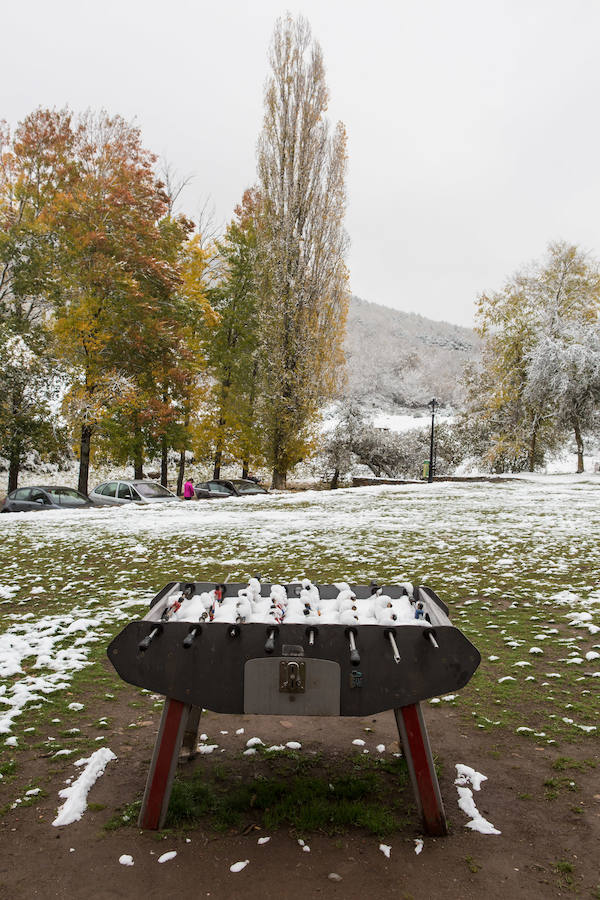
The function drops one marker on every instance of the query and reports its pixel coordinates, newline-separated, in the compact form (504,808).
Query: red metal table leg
(164,762)
(417,750)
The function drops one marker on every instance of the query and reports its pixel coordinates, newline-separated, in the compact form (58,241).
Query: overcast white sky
(473,125)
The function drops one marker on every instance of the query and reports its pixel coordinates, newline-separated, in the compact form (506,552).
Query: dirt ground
(546,849)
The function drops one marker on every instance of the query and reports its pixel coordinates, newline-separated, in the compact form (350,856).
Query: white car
(118,493)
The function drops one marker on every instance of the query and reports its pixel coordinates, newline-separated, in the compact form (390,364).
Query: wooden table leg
(190,735)
(417,750)
(164,762)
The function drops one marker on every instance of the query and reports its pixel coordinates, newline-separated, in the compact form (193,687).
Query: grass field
(516,561)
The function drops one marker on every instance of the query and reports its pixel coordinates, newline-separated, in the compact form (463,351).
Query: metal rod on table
(390,636)
(354,654)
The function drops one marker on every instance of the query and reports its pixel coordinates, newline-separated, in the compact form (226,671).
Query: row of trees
(539,376)
(148,337)
(95,301)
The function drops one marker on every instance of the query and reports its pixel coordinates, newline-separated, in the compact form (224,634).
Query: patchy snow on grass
(72,579)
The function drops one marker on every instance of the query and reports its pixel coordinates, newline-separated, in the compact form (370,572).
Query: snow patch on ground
(466,775)
(75,795)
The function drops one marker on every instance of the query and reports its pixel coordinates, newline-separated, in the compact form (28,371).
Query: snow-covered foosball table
(297,649)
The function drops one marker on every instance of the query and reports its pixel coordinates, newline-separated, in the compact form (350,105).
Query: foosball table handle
(145,643)
(270,642)
(195,630)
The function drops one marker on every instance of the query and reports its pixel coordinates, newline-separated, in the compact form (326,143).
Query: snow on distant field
(398,422)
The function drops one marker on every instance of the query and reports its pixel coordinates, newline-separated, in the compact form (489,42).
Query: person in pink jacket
(188,490)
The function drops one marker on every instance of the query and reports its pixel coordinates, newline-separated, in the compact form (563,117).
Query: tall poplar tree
(303,295)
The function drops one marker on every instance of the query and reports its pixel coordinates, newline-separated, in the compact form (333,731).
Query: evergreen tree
(231,346)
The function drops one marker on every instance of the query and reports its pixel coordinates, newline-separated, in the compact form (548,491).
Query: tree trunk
(532,449)
(138,453)
(279,477)
(245,468)
(335,480)
(163,460)
(279,480)
(579,442)
(84,458)
(217,466)
(181,473)
(14,466)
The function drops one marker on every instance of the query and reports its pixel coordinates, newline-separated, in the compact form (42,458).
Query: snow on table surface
(70,580)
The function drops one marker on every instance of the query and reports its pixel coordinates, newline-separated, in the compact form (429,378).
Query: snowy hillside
(398,359)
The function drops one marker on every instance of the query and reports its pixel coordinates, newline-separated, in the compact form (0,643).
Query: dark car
(219,488)
(39,497)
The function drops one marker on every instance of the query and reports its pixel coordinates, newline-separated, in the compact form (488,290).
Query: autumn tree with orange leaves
(117,275)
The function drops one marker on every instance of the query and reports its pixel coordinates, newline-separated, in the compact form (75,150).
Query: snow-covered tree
(26,419)
(538,344)
(564,372)
(303,295)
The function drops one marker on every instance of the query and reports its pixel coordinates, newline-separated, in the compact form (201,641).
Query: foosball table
(297,649)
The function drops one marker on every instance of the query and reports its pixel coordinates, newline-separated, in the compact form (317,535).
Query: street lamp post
(431,443)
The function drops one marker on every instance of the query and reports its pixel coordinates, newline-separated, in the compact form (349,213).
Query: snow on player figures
(303,279)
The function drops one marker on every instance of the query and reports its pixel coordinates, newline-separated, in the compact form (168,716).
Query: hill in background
(401,360)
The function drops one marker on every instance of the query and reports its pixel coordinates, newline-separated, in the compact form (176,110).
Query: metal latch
(292,676)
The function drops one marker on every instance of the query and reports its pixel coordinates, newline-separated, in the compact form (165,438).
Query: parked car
(220,488)
(39,497)
(118,493)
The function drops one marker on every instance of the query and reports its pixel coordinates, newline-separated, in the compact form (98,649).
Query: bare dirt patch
(548,813)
